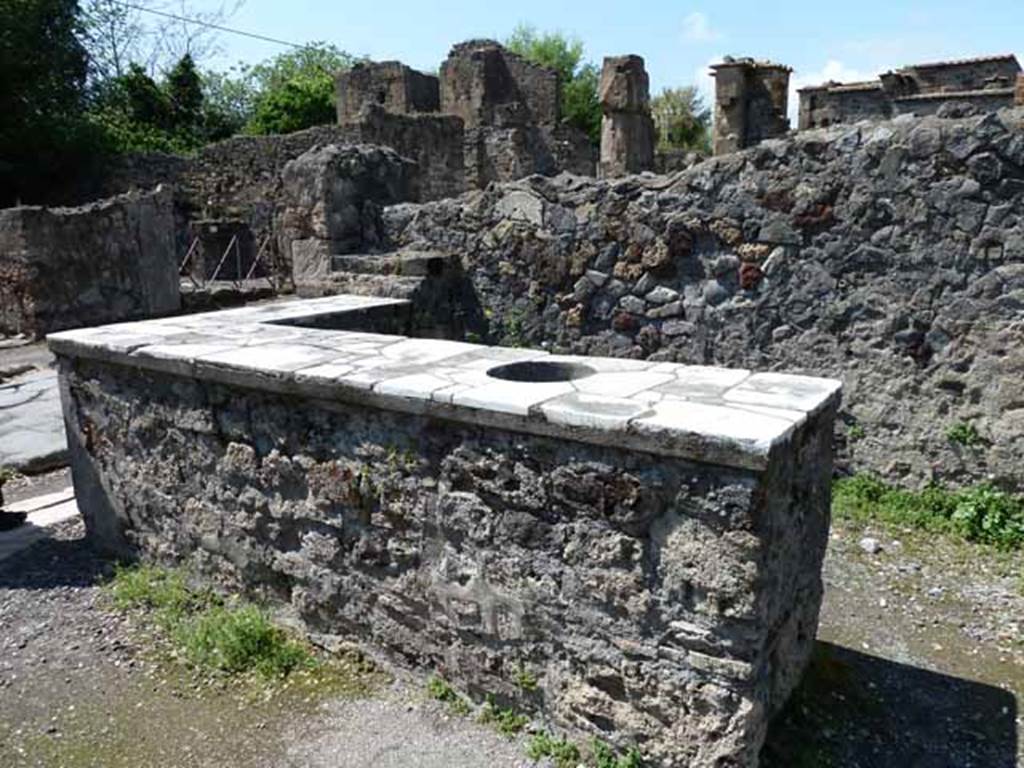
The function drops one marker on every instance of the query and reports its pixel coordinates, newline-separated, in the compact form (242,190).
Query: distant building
(986,84)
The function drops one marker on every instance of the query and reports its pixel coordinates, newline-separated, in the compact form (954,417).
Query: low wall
(100,263)
(645,540)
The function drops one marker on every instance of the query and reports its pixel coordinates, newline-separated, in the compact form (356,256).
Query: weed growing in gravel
(507,722)
(214,635)
(605,757)
(563,753)
(963,433)
(982,513)
(438,688)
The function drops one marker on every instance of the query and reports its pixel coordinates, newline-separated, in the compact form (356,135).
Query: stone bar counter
(644,540)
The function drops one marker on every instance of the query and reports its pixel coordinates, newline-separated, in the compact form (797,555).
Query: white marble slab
(726,416)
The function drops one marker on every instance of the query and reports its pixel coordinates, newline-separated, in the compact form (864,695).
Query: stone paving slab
(731,417)
(32,435)
(43,512)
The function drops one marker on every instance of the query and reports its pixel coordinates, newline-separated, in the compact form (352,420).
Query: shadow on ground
(55,562)
(853,710)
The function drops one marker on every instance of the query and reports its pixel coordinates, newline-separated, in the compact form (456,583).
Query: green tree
(228,102)
(138,114)
(43,69)
(682,119)
(184,89)
(580,106)
(295,90)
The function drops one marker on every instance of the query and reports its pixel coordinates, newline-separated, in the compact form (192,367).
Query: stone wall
(330,204)
(826,105)
(434,142)
(969,85)
(891,256)
(657,601)
(487,85)
(101,263)
(751,103)
(397,88)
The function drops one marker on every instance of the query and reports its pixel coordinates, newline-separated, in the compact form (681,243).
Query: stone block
(334,195)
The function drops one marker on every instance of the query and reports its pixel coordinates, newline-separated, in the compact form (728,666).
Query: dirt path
(921,664)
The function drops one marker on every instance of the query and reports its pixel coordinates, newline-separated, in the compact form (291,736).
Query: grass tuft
(238,639)
(232,638)
(982,513)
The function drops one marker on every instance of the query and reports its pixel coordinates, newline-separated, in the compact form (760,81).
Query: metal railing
(202,281)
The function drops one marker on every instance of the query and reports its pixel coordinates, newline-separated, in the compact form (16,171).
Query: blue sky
(820,40)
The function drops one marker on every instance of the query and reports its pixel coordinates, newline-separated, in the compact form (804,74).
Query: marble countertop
(724,416)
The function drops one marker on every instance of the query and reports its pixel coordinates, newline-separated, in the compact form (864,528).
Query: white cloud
(703,80)
(697,27)
(833,70)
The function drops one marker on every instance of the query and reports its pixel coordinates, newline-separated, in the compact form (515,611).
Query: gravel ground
(920,663)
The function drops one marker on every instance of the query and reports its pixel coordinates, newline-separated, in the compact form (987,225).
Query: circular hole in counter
(540,371)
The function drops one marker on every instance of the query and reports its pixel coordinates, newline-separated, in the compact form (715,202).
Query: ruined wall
(751,103)
(827,105)
(389,84)
(890,256)
(240,179)
(657,602)
(331,199)
(966,86)
(627,130)
(966,75)
(101,263)
(434,142)
(487,85)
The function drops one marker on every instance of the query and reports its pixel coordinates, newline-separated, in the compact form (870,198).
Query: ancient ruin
(982,84)
(645,538)
(542,413)
(627,131)
(751,101)
(99,263)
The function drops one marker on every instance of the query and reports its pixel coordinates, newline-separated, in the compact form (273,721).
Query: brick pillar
(1018,97)
(627,131)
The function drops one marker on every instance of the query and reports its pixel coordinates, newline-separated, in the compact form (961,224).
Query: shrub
(981,513)
(564,754)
